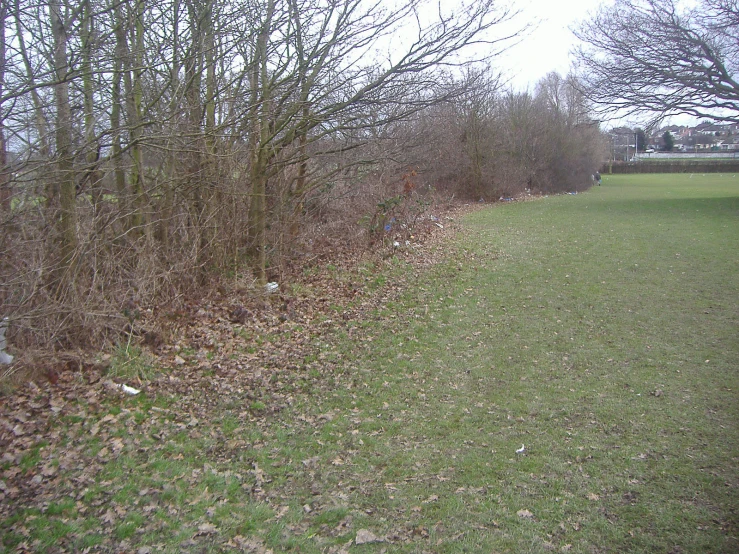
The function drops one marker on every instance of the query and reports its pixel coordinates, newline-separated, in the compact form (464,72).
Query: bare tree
(166,140)
(651,57)
(315,74)
(490,144)
(59,21)
(5,193)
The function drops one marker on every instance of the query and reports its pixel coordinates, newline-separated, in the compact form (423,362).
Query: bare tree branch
(648,57)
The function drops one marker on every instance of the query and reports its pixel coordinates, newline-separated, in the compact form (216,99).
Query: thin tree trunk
(173,161)
(257,220)
(5,192)
(260,101)
(51,188)
(208,230)
(193,82)
(64,165)
(119,66)
(299,190)
(93,176)
(134,95)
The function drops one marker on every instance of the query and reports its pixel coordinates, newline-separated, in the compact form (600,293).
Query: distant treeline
(673,166)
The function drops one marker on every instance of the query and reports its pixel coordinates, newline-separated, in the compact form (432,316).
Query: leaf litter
(232,351)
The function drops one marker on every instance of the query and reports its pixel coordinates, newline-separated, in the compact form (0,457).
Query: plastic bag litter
(128,390)
(5,358)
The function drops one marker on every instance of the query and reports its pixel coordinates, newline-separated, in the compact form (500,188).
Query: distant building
(704,137)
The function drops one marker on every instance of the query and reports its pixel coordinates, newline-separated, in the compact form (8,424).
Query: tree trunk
(93,176)
(132,71)
(64,166)
(258,222)
(166,204)
(50,189)
(208,182)
(5,192)
(119,66)
(259,144)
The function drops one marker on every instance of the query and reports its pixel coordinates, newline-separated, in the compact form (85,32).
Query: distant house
(622,136)
(706,143)
(677,131)
(704,137)
(713,129)
(622,141)
(731,144)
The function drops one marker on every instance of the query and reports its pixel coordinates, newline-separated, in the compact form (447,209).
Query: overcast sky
(547,47)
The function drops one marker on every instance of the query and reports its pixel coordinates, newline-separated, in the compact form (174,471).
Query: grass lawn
(566,380)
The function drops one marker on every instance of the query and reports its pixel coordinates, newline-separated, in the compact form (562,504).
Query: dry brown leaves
(231,347)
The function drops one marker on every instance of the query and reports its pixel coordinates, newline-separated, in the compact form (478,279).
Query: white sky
(547,47)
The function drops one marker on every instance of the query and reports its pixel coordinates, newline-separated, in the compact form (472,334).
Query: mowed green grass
(600,331)
(616,320)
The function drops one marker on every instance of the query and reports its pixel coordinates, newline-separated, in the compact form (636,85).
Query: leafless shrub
(493,145)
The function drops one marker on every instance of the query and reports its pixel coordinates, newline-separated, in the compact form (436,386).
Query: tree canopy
(669,141)
(653,57)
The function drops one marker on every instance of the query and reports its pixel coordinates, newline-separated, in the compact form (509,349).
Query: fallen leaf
(11,472)
(206,529)
(108,517)
(593,496)
(311,461)
(365,537)
(258,475)
(525,514)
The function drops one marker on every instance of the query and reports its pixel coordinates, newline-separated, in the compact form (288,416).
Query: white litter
(5,358)
(521,450)
(125,388)
(271,287)
(128,390)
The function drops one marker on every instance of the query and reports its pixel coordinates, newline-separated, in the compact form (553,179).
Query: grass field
(567,380)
